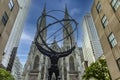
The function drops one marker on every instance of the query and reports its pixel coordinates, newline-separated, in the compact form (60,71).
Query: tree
(97,70)
(5,75)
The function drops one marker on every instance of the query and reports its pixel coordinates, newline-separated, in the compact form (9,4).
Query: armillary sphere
(56,25)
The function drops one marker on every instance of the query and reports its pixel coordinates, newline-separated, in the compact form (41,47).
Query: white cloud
(26,36)
(74,11)
(22,55)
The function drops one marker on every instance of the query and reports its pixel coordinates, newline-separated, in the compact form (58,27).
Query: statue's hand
(36,42)
(36,39)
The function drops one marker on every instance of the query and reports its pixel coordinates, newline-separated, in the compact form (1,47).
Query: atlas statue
(46,50)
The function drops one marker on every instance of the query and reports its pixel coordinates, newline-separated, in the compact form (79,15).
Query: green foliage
(5,75)
(97,70)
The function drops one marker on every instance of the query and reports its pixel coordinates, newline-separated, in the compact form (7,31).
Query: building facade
(36,67)
(17,69)
(106,16)
(15,34)
(8,13)
(91,46)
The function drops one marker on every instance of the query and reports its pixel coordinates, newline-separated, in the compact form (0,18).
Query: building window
(36,63)
(118,63)
(11,4)
(98,7)
(5,18)
(3,53)
(86,64)
(71,64)
(104,21)
(112,40)
(115,4)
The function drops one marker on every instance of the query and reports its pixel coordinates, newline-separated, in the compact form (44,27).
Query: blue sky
(76,8)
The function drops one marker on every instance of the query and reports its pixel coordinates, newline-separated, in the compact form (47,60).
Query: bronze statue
(54,57)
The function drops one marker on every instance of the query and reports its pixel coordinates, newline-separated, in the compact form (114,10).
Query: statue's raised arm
(66,53)
(42,50)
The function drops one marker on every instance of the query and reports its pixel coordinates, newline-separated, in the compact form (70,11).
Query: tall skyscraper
(17,69)
(91,46)
(36,67)
(8,13)
(106,16)
(15,34)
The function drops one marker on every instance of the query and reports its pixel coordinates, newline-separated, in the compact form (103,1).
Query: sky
(76,8)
